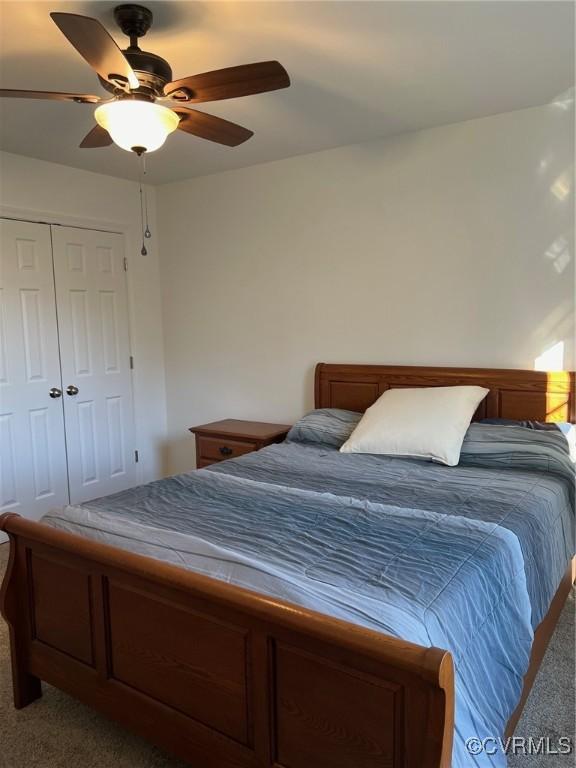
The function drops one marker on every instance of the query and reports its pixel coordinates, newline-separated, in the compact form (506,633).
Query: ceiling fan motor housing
(152,71)
(133,20)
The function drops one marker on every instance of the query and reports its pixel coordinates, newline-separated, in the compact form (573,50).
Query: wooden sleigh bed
(227,678)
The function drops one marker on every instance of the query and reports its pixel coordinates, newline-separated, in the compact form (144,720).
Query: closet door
(92,306)
(33,477)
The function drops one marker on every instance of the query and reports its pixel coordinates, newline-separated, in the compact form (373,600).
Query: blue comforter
(464,558)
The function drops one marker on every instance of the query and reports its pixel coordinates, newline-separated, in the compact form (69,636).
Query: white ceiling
(360,70)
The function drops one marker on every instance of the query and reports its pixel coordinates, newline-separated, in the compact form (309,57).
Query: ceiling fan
(146,103)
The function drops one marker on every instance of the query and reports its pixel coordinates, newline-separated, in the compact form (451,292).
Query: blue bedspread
(464,558)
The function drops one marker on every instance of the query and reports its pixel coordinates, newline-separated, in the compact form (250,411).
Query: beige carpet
(58,732)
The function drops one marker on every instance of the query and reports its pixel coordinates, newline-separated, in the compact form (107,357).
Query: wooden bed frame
(227,678)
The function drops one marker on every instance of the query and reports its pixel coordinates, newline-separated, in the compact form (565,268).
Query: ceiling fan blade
(97,137)
(79,98)
(94,43)
(212,128)
(229,83)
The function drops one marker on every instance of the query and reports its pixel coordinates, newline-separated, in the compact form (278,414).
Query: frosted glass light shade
(133,123)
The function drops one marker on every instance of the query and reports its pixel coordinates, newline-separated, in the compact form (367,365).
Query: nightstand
(229,438)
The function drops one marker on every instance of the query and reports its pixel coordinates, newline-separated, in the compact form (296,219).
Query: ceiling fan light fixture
(137,124)
(136,78)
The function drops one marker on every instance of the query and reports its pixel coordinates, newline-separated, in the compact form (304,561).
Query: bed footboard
(217,675)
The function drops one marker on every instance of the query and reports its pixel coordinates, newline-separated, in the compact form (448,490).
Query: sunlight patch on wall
(552,359)
(565,100)
(559,254)
(546,162)
(561,187)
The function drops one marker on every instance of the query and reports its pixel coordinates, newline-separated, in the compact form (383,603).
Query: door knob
(71,390)
(55,392)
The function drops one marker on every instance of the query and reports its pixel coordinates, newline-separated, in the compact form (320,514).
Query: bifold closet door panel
(91,297)
(33,474)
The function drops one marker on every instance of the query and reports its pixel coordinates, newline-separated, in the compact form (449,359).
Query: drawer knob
(225,451)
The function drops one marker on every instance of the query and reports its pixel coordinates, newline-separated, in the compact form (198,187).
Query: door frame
(52,218)
(40,216)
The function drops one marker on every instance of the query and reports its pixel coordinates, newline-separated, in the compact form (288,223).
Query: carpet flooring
(58,732)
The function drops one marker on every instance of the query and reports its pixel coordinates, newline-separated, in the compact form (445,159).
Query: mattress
(463,558)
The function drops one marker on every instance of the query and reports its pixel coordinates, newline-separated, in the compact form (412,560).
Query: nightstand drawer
(228,438)
(217,449)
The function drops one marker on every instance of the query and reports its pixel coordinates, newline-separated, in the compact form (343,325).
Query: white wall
(447,246)
(53,191)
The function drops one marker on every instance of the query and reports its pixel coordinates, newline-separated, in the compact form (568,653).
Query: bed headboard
(514,394)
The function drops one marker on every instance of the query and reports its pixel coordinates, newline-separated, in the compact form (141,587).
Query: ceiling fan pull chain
(143,250)
(147,232)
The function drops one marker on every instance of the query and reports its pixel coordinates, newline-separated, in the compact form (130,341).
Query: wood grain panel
(61,612)
(330,716)
(514,394)
(354,396)
(197,667)
(218,448)
(529,405)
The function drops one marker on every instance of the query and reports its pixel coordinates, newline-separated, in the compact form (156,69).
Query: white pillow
(428,422)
